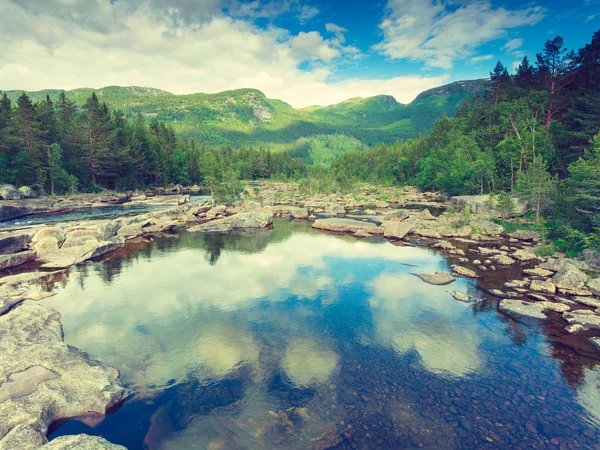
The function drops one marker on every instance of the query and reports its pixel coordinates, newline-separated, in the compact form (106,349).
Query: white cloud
(441,32)
(477,59)
(512,45)
(189,47)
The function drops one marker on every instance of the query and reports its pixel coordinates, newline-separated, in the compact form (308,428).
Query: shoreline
(504,265)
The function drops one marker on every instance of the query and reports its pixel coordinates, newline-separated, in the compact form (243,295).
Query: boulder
(521,308)
(398,215)
(46,380)
(459,270)
(216,211)
(428,233)
(27,192)
(592,258)
(108,230)
(81,442)
(569,277)
(342,225)
(335,208)
(54,232)
(487,227)
(425,215)
(16,259)
(461,296)
(546,286)
(249,220)
(9,192)
(594,286)
(396,230)
(478,204)
(14,242)
(437,279)
(524,235)
(298,213)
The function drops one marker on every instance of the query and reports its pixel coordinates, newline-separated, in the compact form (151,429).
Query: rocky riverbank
(45,380)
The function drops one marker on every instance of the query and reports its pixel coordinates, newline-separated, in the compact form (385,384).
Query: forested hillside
(535,132)
(245,117)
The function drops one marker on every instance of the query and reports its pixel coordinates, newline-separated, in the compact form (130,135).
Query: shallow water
(294,339)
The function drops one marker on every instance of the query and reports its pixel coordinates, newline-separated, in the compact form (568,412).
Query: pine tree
(537,185)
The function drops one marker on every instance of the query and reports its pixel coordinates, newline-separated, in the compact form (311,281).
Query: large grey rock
(335,208)
(395,229)
(27,192)
(478,204)
(592,258)
(44,379)
(397,215)
(487,227)
(9,192)
(14,242)
(425,215)
(503,260)
(81,442)
(569,277)
(108,229)
(521,308)
(524,235)
(438,278)
(16,259)
(341,225)
(241,221)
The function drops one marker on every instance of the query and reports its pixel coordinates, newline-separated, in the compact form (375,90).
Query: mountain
(247,117)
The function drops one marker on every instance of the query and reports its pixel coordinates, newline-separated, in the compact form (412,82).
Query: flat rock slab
(437,279)
(524,309)
(16,259)
(43,379)
(341,225)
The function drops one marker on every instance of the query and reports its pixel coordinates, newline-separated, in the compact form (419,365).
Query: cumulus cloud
(181,46)
(441,32)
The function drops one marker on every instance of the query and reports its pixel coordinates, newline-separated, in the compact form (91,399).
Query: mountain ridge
(247,116)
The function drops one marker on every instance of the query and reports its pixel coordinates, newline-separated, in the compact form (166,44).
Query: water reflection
(415,316)
(293,339)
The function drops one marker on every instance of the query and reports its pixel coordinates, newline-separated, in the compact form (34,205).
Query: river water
(292,339)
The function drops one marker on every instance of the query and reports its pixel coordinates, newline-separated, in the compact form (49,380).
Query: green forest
(535,133)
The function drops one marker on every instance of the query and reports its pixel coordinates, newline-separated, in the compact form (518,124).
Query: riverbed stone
(460,270)
(525,235)
(545,286)
(522,308)
(44,379)
(437,279)
(16,259)
(569,277)
(585,318)
(425,215)
(81,442)
(524,255)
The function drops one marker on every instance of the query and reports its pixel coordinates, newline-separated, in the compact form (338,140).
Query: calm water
(292,339)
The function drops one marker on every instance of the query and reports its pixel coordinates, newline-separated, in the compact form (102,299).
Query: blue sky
(302,51)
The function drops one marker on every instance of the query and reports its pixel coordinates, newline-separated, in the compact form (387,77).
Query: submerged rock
(81,442)
(46,380)
(522,308)
(438,278)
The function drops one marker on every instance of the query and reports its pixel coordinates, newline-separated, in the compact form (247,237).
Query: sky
(305,52)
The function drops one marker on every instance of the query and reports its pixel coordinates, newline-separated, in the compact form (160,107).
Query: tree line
(59,148)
